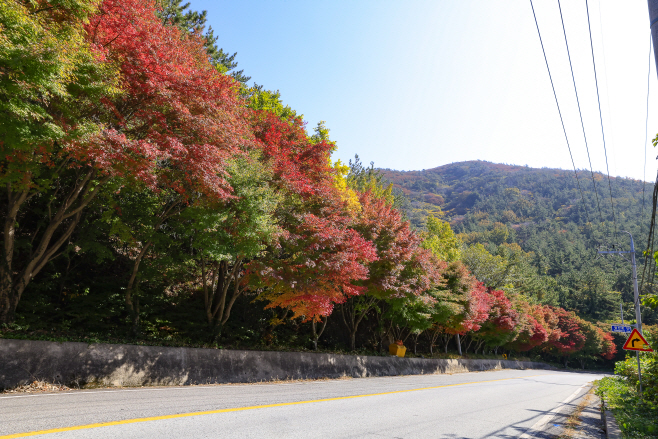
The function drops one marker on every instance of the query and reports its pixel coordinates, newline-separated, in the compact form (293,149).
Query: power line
(582,124)
(649,260)
(582,197)
(607,88)
(596,82)
(648,253)
(646,130)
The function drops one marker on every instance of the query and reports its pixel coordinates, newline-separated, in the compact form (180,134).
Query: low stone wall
(82,364)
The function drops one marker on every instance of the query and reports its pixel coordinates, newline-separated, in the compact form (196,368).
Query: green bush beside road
(637,416)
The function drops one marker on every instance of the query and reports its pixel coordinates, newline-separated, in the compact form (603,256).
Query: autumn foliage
(122,123)
(177,120)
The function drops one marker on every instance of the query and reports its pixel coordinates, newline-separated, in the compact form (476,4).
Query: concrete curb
(612,430)
(92,365)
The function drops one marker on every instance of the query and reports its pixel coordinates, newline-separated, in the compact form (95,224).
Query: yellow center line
(238,409)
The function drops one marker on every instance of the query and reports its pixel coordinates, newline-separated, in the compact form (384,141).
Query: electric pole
(636,296)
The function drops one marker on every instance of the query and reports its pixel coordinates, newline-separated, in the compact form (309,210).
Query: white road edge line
(181,387)
(539,425)
(200,386)
(87,392)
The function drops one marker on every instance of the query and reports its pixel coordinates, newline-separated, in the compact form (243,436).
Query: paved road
(497,404)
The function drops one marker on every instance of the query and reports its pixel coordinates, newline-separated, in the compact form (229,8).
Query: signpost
(625,329)
(637,343)
(638,314)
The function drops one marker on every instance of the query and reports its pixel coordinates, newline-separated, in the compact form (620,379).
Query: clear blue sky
(418,84)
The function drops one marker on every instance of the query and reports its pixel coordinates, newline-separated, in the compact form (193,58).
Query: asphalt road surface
(496,404)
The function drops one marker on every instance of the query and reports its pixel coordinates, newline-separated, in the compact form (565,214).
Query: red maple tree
(300,164)
(501,324)
(319,255)
(571,338)
(532,331)
(177,119)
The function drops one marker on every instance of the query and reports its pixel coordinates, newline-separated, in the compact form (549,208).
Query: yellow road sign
(636,342)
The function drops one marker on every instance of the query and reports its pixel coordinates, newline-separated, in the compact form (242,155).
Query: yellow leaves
(347,195)
(441,240)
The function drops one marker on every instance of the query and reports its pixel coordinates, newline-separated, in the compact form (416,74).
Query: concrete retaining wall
(80,364)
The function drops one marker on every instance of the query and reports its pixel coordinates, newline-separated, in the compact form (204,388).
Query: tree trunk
(478,346)
(8,307)
(133,282)
(446,340)
(132,302)
(352,316)
(415,337)
(353,340)
(470,342)
(316,333)
(432,335)
(216,285)
(14,280)
(382,332)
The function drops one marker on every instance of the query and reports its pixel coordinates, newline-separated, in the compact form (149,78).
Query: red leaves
(479,306)
(534,329)
(489,312)
(572,338)
(609,348)
(320,259)
(177,119)
(320,255)
(300,165)
(402,266)
(504,316)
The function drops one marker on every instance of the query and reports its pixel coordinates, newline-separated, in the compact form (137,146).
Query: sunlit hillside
(542,211)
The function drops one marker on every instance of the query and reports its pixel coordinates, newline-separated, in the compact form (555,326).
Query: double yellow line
(236,409)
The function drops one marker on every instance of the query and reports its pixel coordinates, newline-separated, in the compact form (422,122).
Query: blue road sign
(622,328)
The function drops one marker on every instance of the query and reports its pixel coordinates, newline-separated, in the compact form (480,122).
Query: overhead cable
(582,124)
(566,138)
(646,131)
(596,82)
(649,262)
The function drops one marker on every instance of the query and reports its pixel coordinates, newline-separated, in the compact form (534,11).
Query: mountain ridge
(455,189)
(542,211)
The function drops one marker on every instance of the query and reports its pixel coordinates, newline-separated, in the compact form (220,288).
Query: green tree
(225,237)
(50,79)
(494,271)
(441,240)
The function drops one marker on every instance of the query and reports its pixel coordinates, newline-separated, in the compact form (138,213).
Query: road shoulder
(578,417)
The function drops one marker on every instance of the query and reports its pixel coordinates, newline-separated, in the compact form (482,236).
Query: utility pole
(621,310)
(638,314)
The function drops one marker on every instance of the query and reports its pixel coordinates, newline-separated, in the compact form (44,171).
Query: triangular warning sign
(636,342)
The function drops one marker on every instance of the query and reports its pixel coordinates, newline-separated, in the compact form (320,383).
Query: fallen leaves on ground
(38,386)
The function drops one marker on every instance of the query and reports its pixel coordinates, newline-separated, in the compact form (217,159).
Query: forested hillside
(543,212)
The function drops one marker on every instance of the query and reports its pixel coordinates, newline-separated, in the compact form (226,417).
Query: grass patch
(637,418)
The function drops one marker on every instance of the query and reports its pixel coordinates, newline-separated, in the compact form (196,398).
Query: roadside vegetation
(151,195)
(637,416)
